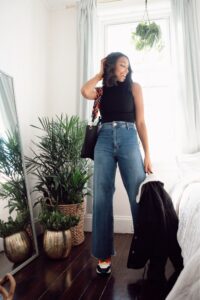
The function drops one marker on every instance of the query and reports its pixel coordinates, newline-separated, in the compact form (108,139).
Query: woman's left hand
(147,164)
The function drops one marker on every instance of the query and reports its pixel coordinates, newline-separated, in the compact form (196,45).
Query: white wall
(23,55)
(62,67)
(38,49)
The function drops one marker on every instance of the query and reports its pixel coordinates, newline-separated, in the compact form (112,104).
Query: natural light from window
(153,70)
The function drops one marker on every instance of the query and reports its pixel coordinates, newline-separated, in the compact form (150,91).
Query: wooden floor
(75,278)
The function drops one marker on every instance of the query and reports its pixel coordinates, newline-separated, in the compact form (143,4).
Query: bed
(186,197)
(184,188)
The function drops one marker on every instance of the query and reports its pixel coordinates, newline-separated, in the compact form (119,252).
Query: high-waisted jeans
(117,143)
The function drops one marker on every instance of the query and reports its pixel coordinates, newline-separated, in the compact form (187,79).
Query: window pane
(147,65)
(152,69)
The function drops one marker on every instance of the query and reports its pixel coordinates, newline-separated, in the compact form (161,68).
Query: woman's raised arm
(88,90)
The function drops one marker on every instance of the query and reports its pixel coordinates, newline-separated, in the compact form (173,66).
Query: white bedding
(186,199)
(187,286)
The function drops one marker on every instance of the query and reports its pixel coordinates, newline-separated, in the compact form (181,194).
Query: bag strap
(96,105)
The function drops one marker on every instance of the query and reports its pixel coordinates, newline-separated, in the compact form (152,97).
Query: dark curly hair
(109,77)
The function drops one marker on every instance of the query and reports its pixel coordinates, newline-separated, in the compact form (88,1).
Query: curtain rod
(67,6)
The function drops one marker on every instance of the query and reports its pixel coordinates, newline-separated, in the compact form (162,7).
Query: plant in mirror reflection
(13,189)
(12,226)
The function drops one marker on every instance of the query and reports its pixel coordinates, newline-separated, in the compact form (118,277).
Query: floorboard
(75,278)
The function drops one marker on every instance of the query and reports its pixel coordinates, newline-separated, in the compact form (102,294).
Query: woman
(122,113)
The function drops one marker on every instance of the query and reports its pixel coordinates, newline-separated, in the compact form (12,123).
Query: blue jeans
(117,143)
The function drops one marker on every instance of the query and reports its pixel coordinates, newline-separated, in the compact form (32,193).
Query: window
(153,70)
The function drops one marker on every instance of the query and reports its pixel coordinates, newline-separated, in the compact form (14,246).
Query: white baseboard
(122,224)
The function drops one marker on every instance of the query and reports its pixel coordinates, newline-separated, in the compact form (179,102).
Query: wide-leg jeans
(117,143)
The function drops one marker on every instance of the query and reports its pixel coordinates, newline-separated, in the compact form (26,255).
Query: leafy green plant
(10,155)
(14,189)
(15,193)
(147,35)
(14,225)
(62,174)
(56,221)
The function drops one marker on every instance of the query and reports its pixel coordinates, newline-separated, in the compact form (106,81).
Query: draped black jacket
(155,235)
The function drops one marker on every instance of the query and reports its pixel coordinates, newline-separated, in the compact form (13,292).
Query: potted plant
(147,34)
(57,240)
(13,189)
(17,243)
(13,193)
(61,173)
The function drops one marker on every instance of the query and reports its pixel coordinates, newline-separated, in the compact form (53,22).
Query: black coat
(155,235)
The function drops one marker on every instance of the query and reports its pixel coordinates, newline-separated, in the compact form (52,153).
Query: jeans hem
(100,257)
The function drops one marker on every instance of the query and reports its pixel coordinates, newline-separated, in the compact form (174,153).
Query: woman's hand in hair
(102,68)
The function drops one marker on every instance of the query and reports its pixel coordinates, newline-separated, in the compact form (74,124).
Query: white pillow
(189,164)
(168,172)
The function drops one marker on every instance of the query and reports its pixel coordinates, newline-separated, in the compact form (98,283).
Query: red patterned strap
(96,105)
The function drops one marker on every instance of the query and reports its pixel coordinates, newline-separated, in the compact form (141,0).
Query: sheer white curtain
(87,57)
(87,40)
(186,41)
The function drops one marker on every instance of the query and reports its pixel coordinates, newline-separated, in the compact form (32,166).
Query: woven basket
(75,210)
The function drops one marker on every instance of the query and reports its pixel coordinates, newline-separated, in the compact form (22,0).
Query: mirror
(18,243)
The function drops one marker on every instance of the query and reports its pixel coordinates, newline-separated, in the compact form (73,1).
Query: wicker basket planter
(76,210)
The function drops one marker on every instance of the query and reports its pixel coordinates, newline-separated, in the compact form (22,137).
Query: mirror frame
(36,254)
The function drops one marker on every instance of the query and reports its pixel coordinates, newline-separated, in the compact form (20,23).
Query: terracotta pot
(57,244)
(17,247)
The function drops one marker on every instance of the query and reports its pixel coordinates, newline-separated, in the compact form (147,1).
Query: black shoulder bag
(91,131)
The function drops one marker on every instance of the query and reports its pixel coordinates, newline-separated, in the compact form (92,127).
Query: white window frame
(126,14)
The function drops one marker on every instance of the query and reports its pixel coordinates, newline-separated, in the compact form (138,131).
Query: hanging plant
(147,34)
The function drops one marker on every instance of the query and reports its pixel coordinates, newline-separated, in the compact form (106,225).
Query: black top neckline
(120,83)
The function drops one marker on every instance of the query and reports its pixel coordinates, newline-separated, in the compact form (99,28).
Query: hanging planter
(147,34)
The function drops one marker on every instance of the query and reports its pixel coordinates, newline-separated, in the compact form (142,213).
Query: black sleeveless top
(117,103)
